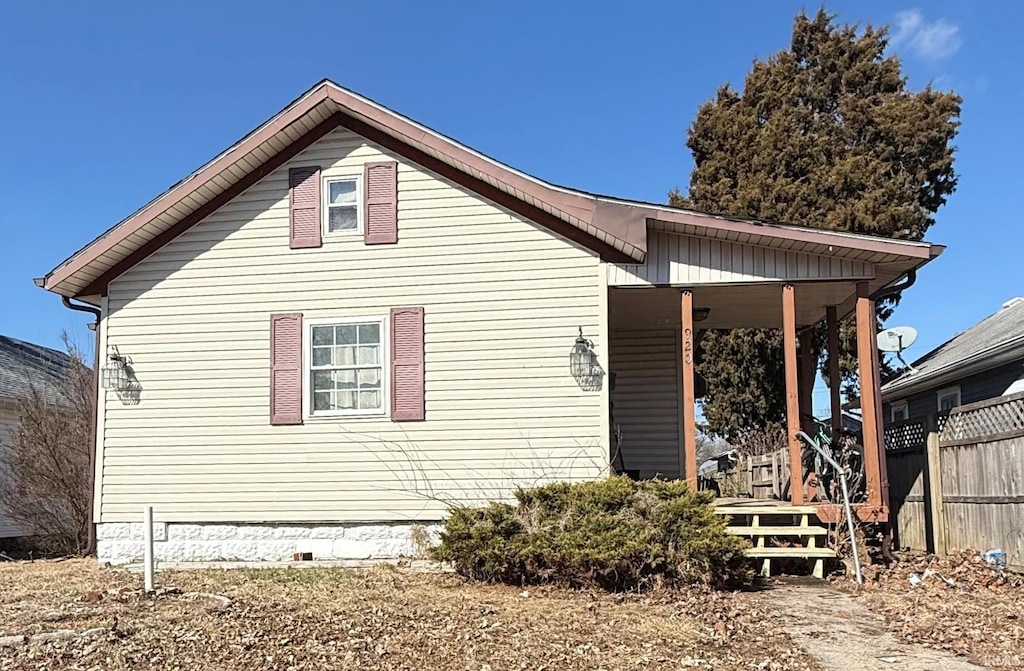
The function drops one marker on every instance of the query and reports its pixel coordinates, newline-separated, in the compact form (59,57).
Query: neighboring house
(346,322)
(985,361)
(25,368)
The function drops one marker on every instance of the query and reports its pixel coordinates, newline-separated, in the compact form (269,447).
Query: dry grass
(372,619)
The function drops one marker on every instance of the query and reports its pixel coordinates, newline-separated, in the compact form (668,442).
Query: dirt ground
(367,619)
(958,604)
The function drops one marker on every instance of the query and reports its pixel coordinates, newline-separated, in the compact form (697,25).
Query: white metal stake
(827,456)
(147,559)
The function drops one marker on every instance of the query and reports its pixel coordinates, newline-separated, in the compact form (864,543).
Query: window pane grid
(346,367)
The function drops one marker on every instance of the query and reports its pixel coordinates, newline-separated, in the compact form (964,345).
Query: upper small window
(341,211)
(899,411)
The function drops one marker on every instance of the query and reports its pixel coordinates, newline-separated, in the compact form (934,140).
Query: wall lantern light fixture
(117,371)
(583,360)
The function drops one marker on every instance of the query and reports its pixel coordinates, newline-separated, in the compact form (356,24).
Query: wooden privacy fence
(958,482)
(906,462)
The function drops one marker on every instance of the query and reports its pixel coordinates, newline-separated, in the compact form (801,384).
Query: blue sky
(105,105)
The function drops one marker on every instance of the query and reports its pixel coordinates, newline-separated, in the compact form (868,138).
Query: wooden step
(793,552)
(777,531)
(737,510)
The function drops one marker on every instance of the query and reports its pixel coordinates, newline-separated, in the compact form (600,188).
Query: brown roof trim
(606,251)
(806,234)
(919,250)
(573,203)
(486,190)
(97,247)
(607,226)
(99,285)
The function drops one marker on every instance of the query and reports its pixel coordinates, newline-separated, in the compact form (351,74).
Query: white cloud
(943,83)
(927,39)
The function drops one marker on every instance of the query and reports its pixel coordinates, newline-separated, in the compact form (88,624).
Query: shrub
(614,533)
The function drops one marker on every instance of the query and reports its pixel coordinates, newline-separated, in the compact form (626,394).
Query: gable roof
(614,228)
(992,341)
(24,365)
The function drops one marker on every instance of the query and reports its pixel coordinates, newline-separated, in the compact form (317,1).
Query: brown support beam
(870,397)
(883,465)
(689,409)
(834,376)
(796,484)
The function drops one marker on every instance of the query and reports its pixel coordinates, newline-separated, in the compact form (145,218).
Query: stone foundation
(121,542)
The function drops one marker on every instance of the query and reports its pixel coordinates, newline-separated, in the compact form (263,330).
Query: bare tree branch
(45,488)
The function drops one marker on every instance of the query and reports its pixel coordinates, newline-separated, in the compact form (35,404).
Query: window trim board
(307,368)
(325,207)
(946,392)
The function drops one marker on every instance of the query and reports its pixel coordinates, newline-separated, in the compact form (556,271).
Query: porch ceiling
(733,306)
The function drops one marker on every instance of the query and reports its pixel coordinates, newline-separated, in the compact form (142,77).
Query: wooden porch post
(689,410)
(796,479)
(870,398)
(832,327)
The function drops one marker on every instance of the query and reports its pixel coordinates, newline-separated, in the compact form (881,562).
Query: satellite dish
(897,339)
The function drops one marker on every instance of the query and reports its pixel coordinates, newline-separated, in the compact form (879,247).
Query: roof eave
(576,208)
(619,226)
(980,361)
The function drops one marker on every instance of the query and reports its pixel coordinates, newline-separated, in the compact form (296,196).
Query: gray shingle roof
(24,365)
(999,330)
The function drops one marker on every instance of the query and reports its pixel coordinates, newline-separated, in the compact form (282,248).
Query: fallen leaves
(373,619)
(960,603)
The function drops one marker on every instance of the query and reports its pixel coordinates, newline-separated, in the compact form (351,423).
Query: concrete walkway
(844,635)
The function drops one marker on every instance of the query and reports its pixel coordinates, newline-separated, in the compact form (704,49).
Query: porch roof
(729,306)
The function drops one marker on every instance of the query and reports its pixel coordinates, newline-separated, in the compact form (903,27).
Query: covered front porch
(691,284)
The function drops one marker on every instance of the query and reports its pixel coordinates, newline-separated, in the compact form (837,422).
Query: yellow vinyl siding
(647,401)
(503,299)
(688,260)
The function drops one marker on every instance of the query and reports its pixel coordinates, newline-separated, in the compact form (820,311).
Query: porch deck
(748,506)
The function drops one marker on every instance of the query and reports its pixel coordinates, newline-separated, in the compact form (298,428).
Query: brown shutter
(286,369)
(381,203)
(304,204)
(407,385)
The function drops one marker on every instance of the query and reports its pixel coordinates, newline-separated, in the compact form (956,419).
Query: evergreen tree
(824,134)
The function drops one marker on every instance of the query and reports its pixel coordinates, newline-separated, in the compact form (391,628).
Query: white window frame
(325,207)
(307,367)
(946,392)
(899,406)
